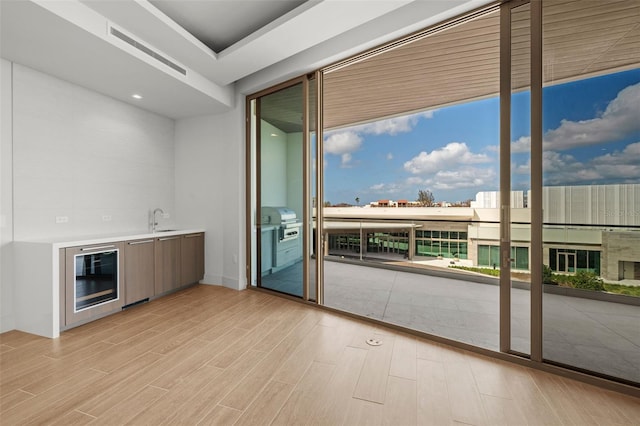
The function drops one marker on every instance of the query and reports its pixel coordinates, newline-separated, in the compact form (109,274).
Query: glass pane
(594,261)
(520,178)
(553,256)
(312,202)
(581,259)
(281,189)
(397,151)
(522,258)
(495,256)
(591,175)
(483,256)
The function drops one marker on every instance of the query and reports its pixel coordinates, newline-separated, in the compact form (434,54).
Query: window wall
(487,193)
(442,243)
(490,256)
(591,177)
(573,260)
(411,147)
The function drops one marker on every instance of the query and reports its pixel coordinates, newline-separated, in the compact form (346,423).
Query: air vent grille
(141,47)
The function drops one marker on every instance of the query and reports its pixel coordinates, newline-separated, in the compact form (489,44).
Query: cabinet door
(139,258)
(167,264)
(192,258)
(91,277)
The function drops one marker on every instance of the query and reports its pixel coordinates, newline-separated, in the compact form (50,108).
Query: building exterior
(592,228)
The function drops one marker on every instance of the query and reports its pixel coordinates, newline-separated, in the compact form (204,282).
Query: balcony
(587,330)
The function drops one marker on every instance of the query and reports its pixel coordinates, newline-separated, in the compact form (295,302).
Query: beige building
(592,228)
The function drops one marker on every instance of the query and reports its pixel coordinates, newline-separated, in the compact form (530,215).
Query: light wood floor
(209,355)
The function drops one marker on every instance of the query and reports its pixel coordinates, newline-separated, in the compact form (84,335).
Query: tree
(358,201)
(425,198)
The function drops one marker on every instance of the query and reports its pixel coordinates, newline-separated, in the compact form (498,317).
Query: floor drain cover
(374,342)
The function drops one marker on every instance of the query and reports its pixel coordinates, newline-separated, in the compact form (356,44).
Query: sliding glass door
(591,186)
(279,147)
(487,194)
(411,207)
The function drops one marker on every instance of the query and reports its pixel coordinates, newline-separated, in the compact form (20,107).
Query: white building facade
(592,228)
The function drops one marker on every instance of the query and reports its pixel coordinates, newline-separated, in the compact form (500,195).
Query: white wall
(210,191)
(295,173)
(68,151)
(87,157)
(273,167)
(7,321)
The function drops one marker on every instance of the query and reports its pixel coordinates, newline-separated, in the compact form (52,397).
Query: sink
(165,230)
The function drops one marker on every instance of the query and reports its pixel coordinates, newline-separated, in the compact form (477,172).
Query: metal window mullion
(258,182)
(505,178)
(536,181)
(306,196)
(319,192)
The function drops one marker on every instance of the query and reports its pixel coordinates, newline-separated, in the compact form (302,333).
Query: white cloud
(451,155)
(416,180)
(468,177)
(388,188)
(392,126)
(342,143)
(523,144)
(617,167)
(620,118)
(347,141)
(345,160)
(629,155)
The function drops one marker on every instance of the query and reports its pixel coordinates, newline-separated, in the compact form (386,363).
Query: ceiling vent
(141,47)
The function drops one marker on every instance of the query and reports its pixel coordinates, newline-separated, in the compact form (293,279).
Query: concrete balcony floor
(598,336)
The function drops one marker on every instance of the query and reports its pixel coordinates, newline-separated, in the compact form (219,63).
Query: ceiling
(224,47)
(580,39)
(222,23)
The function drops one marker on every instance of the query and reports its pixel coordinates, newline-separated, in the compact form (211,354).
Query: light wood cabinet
(139,270)
(192,258)
(167,264)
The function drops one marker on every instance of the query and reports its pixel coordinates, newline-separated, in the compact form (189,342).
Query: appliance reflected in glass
(96,279)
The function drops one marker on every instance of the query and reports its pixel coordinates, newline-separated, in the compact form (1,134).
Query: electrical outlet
(106,218)
(62,219)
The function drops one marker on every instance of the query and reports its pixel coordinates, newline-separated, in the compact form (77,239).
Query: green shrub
(547,275)
(486,271)
(623,289)
(586,281)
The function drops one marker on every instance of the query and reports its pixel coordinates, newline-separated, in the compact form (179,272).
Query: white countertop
(62,242)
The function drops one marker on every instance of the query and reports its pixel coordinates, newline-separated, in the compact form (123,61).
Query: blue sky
(591,136)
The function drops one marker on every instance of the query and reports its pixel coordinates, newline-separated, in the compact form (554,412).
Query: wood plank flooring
(210,355)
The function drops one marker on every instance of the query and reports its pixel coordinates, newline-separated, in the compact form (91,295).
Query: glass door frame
(505,178)
(535,200)
(253,182)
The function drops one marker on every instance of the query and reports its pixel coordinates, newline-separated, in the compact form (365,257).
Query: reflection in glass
(591,187)
(407,155)
(280,147)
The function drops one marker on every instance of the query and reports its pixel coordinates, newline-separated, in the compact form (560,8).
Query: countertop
(62,242)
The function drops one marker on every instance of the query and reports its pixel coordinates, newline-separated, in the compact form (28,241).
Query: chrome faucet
(153,222)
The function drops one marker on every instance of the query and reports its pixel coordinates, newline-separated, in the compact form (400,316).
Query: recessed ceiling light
(136,96)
